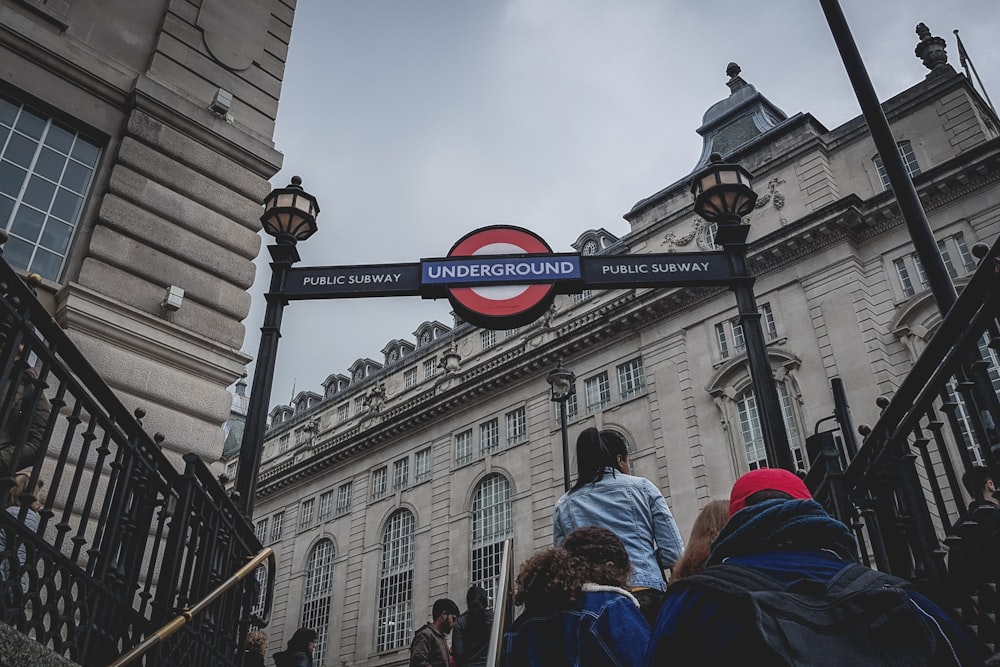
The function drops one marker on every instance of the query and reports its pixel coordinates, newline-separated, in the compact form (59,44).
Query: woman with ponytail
(608,496)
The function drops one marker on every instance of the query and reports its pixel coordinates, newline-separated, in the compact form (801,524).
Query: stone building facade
(136,148)
(398,482)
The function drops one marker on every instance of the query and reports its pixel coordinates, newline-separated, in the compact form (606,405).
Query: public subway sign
(502,277)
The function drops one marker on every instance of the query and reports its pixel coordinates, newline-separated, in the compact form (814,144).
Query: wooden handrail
(179,621)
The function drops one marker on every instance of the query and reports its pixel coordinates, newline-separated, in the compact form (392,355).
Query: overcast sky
(416,121)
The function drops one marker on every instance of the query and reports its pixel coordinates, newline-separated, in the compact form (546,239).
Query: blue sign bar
(500,270)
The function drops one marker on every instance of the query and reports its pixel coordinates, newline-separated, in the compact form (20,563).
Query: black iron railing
(122,541)
(902,491)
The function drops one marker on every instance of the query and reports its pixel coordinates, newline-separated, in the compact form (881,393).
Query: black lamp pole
(723,196)
(290,216)
(563,384)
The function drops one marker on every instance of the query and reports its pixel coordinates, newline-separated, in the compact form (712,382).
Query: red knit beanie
(777,479)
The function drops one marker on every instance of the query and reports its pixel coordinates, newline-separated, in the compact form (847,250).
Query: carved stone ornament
(699,233)
(930,49)
(234,30)
(773,197)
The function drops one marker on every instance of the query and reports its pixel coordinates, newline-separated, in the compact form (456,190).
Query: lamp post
(562,383)
(289,216)
(723,195)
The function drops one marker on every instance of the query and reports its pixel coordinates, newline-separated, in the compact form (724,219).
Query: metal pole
(772,423)
(565,441)
(842,410)
(899,178)
(283,255)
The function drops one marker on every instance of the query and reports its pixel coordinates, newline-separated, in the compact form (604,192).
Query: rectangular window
(946,259)
(306,513)
(325,506)
(343,413)
(598,392)
(517,427)
(378,483)
(909,160)
(344,498)
(430,368)
(359,405)
(739,341)
(463,447)
(582,296)
(299,435)
(921,274)
(277,524)
(45,175)
(572,407)
(283,443)
(261,531)
(904,277)
(488,338)
(767,320)
(968,262)
(511,333)
(631,379)
(422,465)
(400,474)
(720,337)
(489,436)
(409,377)
(231,469)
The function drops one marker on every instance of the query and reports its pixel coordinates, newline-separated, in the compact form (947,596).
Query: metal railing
(902,493)
(121,541)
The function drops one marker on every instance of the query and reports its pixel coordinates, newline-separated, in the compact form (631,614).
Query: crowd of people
(766,576)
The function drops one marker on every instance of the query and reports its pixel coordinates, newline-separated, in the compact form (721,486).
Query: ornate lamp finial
(930,49)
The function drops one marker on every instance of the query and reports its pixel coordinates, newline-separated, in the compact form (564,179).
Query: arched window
(750,432)
(395,587)
(318,594)
(491,526)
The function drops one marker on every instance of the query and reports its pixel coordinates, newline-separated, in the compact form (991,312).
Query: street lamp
(562,382)
(723,195)
(289,216)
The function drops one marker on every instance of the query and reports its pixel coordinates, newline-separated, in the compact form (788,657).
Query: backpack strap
(738,579)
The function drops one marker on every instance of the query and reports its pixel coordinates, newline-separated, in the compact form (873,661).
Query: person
(429,647)
(255,649)
(21,501)
(972,558)
(707,525)
(576,609)
(29,414)
(979,483)
(299,651)
(470,638)
(607,495)
(777,531)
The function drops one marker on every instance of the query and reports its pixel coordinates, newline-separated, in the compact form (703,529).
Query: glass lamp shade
(722,191)
(562,381)
(290,212)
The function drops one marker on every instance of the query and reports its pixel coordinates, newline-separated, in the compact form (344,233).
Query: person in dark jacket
(776,528)
(576,609)
(22,431)
(299,651)
(429,647)
(470,638)
(254,649)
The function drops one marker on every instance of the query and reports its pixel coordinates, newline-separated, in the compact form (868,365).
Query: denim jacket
(605,630)
(634,510)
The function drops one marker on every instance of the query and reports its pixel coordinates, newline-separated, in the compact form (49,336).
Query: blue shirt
(634,510)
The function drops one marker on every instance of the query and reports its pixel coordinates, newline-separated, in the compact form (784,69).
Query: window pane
(17,252)
(60,139)
(8,112)
(6,208)
(46,264)
(318,596)
(39,192)
(28,223)
(50,164)
(85,152)
(77,177)
(395,594)
(30,124)
(491,526)
(11,179)
(20,150)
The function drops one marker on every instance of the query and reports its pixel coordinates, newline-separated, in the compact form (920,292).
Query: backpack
(858,617)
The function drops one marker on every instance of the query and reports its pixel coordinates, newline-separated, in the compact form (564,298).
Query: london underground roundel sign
(501,306)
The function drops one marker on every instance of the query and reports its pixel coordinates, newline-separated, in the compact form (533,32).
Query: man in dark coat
(429,647)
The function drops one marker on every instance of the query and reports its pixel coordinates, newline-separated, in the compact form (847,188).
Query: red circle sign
(503,306)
